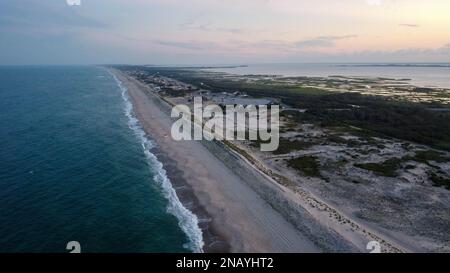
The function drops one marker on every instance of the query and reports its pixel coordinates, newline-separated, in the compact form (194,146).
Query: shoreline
(236,218)
(210,240)
(214,242)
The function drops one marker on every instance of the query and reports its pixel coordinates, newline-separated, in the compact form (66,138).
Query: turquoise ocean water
(76,166)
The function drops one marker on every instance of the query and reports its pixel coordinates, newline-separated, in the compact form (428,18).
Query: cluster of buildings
(160,83)
(176,88)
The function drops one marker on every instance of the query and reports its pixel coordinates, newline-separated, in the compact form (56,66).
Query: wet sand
(234,218)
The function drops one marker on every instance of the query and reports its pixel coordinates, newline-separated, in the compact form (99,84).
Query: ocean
(75,165)
(420,74)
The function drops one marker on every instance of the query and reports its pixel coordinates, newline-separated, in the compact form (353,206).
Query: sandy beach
(233,216)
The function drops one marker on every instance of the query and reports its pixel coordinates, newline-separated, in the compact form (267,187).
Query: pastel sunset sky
(223,32)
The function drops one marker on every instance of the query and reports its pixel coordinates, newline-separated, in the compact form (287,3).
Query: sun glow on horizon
(229,31)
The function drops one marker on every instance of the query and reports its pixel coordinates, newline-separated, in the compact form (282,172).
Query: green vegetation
(286,146)
(430,155)
(406,121)
(373,114)
(308,165)
(364,116)
(340,140)
(387,168)
(439,181)
(176,93)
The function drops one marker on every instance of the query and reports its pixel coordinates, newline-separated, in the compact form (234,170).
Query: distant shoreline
(433,75)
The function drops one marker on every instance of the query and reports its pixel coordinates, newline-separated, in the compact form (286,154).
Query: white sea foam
(188,221)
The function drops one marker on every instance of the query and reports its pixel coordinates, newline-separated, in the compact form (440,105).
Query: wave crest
(187,221)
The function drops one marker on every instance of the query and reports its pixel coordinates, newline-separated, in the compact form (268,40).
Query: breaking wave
(187,221)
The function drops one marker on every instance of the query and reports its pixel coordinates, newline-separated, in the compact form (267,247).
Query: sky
(223,31)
